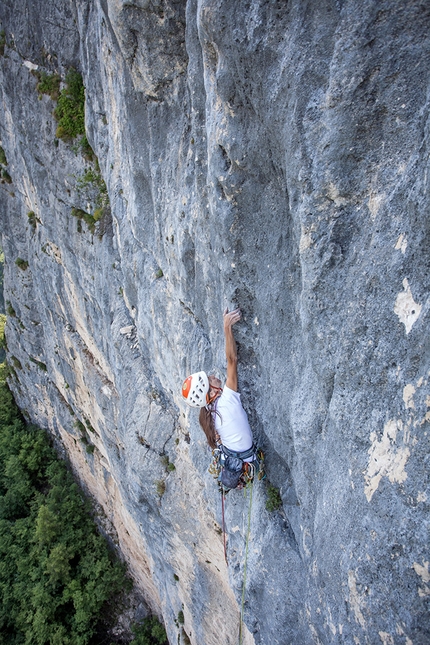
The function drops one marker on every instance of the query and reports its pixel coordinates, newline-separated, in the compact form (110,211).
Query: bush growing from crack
(10,310)
(93,183)
(70,110)
(16,362)
(48,84)
(87,217)
(168,465)
(274,501)
(22,264)
(5,177)
(40,365)
(92,179)
(32,219)
(160,486)
(2,335)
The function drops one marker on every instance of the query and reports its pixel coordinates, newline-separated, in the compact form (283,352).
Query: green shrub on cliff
(274,500)
(70,110)
(49,84)
(22,264)
(57,575)
(2,336)
(92,180)
(3,160)
(5,177)
(2,42)
(150,632)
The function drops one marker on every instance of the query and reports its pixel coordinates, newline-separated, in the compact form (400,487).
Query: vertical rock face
(271,155)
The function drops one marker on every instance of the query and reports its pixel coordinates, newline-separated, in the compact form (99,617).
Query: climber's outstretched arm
(230,318)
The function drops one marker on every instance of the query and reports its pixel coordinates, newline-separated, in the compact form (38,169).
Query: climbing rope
(223,522)
(242,610)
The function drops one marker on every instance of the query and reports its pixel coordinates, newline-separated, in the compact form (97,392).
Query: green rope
(245,565)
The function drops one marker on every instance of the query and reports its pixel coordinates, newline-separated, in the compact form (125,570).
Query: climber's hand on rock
(231,317)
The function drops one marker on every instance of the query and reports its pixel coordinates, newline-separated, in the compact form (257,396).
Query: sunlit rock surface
(271,155)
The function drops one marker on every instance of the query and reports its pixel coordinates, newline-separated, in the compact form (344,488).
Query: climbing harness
(231,470)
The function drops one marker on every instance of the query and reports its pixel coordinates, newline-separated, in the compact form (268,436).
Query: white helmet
(195,388)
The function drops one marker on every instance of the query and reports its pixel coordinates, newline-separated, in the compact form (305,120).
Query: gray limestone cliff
(272,155)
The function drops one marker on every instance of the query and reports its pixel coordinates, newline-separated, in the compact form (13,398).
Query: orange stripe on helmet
(186,386)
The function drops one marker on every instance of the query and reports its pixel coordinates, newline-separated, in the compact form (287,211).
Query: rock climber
(222,417)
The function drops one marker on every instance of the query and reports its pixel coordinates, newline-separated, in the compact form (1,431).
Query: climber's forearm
(230,318)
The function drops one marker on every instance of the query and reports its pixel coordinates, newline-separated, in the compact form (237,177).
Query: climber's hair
(207,422)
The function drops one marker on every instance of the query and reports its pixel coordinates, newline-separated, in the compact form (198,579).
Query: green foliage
(56,573)
(5,177)
(3,160)
(32,219)
(40,365)
(92,179)
(274,501)
(49,84)
(22,264)
(2,336)
(10,310)
(150,632)
(2,42)
(159,273)
(167,463)
(87,217)
(89,426)
(86,149)
(70,110)
(181,618)
(79,426)
(160,486)
(89,177)
(16,362)
(98,214)
(92,185)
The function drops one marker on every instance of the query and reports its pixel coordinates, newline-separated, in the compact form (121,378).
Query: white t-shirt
(231,422)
